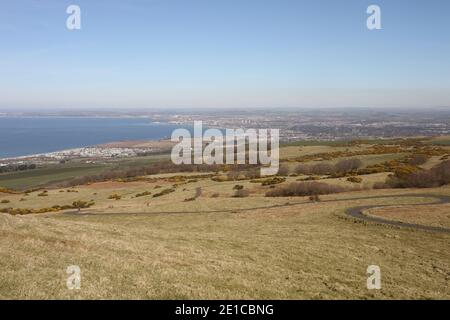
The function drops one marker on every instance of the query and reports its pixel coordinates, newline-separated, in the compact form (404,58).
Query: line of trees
(306,189)
(17,167)
(341,167)
(158,168)
(437,176)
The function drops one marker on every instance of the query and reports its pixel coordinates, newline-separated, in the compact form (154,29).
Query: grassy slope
(304,251)
(300,250)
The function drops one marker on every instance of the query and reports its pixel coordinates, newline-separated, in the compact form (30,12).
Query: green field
(43,176)
(51,174)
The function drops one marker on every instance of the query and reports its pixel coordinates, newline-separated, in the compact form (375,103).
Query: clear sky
(224,53)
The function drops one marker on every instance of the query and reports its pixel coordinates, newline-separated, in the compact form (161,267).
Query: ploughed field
(198,235)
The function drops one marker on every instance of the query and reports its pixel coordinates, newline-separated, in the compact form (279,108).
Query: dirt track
(355,212)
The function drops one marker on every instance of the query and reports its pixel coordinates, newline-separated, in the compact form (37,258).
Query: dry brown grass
(306,250)
(221,247)
(433,215)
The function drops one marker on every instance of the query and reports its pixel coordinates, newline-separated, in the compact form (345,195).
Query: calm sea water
(25,136)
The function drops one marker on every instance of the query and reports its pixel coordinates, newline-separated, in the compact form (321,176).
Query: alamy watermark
(237,146)
(374,279)
(73,21)
(374,20)
(74,279)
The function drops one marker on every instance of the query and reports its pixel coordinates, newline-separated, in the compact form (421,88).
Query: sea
(21,136)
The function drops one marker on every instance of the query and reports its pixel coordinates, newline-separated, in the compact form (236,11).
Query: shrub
(164,192)
(405,170)
(219,179)
(305,189)
(380,185)
(232,175)
(238,187)
(79,204)
(417,159)
(143,194)
(303,169)
(347,165)
(273,181)
(318,169)
(43,194)
(22,211)
(115,196)
(284,170)
(252,173)
(198,193)
(5,190)
(215,195)
(309,178)
(242,193)
(437,176)
(5,201)
(354,179)
(323,169)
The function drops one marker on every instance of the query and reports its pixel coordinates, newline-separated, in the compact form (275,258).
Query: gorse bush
(354,179)
(115,196)
(6,190)
(79,204)
(164,192)
(143,194)
(245,170)
(273,181)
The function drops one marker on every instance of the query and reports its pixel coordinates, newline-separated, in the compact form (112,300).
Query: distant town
(294,125)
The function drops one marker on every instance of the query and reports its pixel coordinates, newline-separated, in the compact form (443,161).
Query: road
(354,212)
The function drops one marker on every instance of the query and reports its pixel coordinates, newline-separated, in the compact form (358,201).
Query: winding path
(354,212)
(357,212)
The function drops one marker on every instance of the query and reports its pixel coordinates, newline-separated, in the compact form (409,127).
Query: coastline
(22,139)
(114,149)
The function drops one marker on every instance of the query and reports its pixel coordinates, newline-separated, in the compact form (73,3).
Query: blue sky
(224,53)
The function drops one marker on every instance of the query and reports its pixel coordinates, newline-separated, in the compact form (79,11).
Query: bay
(35,135)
